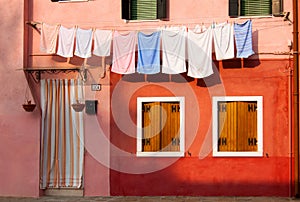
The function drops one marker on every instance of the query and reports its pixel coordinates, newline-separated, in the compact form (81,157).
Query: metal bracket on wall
(34,25)
(36,73)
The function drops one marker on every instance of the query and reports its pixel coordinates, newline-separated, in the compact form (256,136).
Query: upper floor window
(144,9)
(255,8)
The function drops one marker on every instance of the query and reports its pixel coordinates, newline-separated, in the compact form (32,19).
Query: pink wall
(110,160)
(19,139)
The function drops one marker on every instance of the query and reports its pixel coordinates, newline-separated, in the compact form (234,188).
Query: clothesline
(170,40)
(206,20)
(188,22)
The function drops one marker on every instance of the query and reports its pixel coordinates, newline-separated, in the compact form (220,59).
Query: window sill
(237,154)
(140,21)
(72,1)
(160,154)
(256,17)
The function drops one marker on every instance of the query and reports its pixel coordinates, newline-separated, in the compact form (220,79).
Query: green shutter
(256,7)
(144,9)
(126,9)
(162,9)
(277,7)
(233,8)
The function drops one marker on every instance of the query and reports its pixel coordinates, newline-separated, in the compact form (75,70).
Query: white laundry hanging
(200,54)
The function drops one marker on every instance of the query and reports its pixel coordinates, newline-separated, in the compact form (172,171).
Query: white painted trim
(69,1)
(139,138)
(259,100)
(160,154)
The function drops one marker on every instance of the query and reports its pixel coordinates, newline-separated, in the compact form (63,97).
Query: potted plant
(28,106)
(78,107)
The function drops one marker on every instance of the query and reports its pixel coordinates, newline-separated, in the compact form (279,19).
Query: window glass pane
(256,7)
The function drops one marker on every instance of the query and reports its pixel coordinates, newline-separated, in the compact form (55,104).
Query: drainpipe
(296,95)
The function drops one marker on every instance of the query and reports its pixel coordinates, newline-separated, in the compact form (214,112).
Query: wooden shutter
(256,7)
(247,126)
(161,126)
(151,127)
(277,7)
(233,8)
(126,7)
(143,9)
(237,126)
(170,132)
(162,6)
(227,126)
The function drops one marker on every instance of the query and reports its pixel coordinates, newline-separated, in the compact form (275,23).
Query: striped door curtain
(62,134)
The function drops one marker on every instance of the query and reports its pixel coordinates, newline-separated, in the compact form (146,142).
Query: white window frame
(180,153)
(259,152)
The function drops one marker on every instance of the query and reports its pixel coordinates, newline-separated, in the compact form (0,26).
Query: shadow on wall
(211,80)
(251,62)
(240,63)
(209,177)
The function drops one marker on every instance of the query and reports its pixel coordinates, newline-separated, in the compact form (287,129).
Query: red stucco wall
(198,173)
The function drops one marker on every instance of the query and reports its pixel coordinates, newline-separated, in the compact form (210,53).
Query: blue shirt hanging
(243,39)
(148,53)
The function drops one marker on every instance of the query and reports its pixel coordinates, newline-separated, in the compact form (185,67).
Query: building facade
(224,131)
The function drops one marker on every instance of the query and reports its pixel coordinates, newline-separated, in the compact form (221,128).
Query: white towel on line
(84,39)
(102,42)
(223,41)
(173,50)
(66,41)
(200,54)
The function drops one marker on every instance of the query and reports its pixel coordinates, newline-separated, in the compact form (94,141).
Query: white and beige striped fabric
(62,135)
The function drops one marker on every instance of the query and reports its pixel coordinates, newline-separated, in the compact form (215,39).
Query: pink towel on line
(124,53)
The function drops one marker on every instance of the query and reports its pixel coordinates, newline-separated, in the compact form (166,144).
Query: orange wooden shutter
(151,126)
(237,126)
(170,130)
(227,126)
(247,130)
